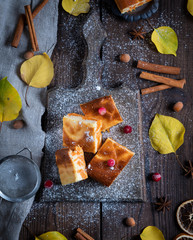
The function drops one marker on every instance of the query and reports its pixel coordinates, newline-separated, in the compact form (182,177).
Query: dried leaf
(190,6)
(10,101)
(151,233)
(165,40)
(38,71)
(76,7)
(51,236)
(166,134)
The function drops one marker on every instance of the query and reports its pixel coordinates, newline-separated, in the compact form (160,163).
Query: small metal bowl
(143,12)
(19,177)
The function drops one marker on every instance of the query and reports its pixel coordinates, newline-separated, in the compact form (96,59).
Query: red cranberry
(48,184)
(156,177)
(111,162)
(127,129)
(102,111)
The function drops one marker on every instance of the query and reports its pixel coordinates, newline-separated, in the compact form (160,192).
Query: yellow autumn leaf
(38,71)
(151,233)
(10,101)
(190,6)
(165,40)
(51,236)
(76,7)
(166,134)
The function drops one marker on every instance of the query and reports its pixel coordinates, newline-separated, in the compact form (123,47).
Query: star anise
(189,169)
(138,34)
(163,204)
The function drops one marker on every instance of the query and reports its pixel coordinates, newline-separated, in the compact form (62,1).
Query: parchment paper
(31,135)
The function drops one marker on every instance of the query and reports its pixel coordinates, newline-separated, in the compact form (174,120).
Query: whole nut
(178,106)
(130,222)
(18,124)
(28,55)
(124,58)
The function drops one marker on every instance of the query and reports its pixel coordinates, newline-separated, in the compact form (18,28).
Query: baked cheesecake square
(71,165)
(98,168)
(110,118)
(82,131)
(129,5)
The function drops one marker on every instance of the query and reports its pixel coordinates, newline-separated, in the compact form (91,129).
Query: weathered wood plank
(173,184)
(62,217)
(45,217)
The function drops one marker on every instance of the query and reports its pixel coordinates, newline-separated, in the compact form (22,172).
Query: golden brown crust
(129,5)
(64,164)
(62,154)
(112,116)
(79,132)
(98,168)
(71,165)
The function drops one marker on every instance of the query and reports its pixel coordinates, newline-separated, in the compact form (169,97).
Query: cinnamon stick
(85,235)
(154,89)
(158,68)
(168,81)
(78,236)
(21,22)
(18,31)
(39,8)
(32,32)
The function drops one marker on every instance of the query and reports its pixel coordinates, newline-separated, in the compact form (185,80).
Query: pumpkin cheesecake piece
(82,131)
(129,5)
(71,165)
(109,161)
(104,109)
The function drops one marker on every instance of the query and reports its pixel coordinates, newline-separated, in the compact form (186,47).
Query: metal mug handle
(30,153)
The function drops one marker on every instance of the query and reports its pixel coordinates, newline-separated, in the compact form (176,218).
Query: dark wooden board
(173,184)
(130,184)
(64,218)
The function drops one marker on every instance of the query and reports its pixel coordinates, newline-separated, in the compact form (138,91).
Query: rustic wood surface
(105,221)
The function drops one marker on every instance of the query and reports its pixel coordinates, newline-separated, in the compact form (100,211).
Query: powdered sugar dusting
(114,74)
(72,211)
(88,137)
(130,183)
(98,88)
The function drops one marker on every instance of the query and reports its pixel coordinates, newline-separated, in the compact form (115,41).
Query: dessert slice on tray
(82,131)
(71,165)
(109,161)
(129,5)
(104,109)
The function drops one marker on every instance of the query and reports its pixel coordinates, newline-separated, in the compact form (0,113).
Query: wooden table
(105,220)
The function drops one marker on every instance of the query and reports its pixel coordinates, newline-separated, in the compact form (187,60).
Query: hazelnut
(28,55)
(178,106)
(18,124)
(130,222)
(124,58)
